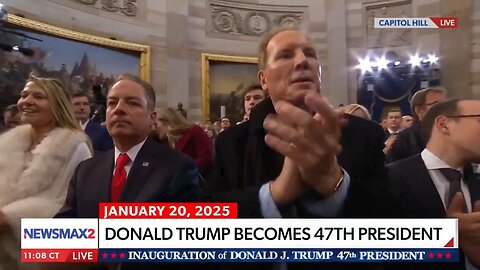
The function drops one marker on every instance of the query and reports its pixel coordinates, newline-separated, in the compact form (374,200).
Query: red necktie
(119,177)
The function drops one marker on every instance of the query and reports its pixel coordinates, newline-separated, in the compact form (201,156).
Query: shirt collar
(84,125)
(433,162)
(131,153)
(391,131)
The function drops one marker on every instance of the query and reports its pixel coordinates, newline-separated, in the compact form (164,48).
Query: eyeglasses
(464,116)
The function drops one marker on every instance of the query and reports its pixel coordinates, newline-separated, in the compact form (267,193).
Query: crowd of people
(293,155)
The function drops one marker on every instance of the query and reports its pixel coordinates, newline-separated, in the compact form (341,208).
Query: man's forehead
(126,96)
(469,105)
(78,99)
(289,38)
(435,95)
(254,92)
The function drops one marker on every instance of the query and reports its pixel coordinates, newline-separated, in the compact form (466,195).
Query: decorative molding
(235,18)
(122,7)
(380,38)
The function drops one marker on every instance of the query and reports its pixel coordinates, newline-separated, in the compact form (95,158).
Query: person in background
(411,141)
(187,138)
(253,95)
(211,133)
(407,122)
(357,110)
(11,117)
(224,124)
(383,123)
(98,134)
(100,100)
(181,110)
(394,118)
(217,127)
(37,162)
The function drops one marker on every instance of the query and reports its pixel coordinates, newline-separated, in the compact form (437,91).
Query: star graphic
(439,255)
(114,255)
(448,255)
(431,255)
(105,255)
(122,255)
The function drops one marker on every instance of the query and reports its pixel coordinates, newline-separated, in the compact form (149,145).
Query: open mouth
(121,123)
(302,80)
(29,111)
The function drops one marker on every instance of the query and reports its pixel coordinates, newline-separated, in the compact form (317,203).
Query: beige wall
(180,30)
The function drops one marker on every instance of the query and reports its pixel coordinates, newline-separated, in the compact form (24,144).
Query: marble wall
(180,30)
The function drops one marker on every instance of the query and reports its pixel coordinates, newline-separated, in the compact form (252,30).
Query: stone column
(177,54)
(455,48)
(337,91)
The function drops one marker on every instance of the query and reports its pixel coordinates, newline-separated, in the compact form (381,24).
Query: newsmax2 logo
(58,233)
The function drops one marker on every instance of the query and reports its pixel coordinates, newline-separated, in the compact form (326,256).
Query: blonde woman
(37,161)
(357,110)
(185,137)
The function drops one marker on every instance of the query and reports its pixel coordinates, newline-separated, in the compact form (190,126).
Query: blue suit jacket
(99,136)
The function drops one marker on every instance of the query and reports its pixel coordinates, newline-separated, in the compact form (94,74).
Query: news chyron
(59,240)
(430,22)
(212,232)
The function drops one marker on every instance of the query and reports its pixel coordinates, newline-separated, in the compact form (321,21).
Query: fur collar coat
(34,183)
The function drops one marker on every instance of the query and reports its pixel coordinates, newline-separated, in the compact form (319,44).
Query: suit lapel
(347,143)
(105,174)
(88,127)
(424,189)
(473,182)
(139,174)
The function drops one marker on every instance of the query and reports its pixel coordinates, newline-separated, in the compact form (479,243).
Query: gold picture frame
(55,31)
(207,60)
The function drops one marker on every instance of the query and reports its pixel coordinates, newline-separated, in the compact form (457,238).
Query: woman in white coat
(37,160)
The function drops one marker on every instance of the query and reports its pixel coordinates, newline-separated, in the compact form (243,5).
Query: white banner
(277,233)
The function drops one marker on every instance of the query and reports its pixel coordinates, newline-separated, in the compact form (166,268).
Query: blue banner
(279,255)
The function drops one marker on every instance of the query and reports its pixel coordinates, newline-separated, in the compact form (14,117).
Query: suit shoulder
(101,156)
(96,159)
(233,133)
(94,125)
(358,124)
(163,152)
(403,164)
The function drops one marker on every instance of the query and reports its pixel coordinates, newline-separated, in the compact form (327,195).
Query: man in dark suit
(440,181)
(137,169)
(98,134)
(411,141)
(394,119)
(288,150)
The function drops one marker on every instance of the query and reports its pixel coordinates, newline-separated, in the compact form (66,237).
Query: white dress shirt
(84,125)
(131,153)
